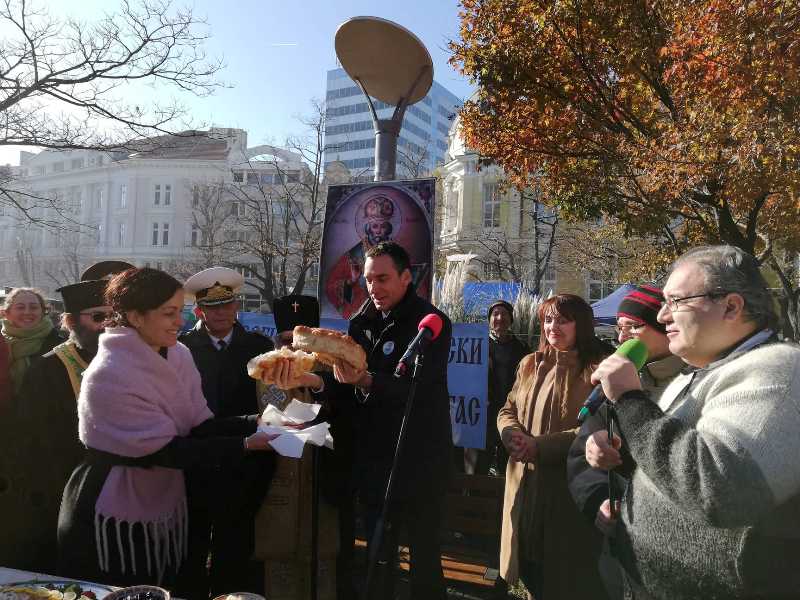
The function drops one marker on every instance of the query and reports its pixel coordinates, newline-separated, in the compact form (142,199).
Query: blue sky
(277,54)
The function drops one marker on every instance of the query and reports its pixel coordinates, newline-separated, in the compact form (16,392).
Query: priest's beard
(85,338)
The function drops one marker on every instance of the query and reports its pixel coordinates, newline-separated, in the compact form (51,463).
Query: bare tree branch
(63,83)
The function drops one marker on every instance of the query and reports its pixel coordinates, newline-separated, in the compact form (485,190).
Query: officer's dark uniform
(223,504)
(422,477)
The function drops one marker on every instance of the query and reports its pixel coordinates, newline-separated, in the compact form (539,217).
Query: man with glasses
(713,507)
(48,409)
(636,319)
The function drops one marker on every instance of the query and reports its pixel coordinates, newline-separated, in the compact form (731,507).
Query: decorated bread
(329,345)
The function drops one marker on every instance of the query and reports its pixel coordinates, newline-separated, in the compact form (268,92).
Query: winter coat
(425,462)
(550,387)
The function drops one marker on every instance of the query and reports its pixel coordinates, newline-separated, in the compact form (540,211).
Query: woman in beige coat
(546,541)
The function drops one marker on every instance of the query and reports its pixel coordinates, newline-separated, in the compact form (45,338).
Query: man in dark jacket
(505,352)
(384,326)
(223,504)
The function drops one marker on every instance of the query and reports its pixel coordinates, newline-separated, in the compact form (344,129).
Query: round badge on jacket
(388,348)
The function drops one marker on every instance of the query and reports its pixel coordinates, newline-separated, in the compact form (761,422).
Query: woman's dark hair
(140,290)
(574,308)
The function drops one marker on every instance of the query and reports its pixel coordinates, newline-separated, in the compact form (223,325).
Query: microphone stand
(314,521)
(611,414)
(383,522)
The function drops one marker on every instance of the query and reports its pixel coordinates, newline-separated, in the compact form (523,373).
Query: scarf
(23,344)
(73,362)
(132,403)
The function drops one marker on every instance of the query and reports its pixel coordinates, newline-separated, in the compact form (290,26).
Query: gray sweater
(713,510)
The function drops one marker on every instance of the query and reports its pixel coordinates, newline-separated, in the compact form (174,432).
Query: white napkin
(290,441)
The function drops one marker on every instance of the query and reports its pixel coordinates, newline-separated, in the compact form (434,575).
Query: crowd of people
(131,452)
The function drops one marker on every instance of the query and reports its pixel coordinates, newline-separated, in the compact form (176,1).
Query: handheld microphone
(429,329)
(636,352)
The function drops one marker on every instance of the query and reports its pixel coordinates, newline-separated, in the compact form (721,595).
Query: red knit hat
(642,304)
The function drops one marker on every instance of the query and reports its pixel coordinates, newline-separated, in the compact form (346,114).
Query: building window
(238,177)
(99,235)
(164,237)
(549,272)
(237,209)
(58,167)
(491,205)
(245,271)
(313,271)
(98,199)
(195,235)
(450,208)
(491,271)
(252,178)
(195,197)
(77,163)
(598,288)
(266,179)
(120,234)
(123,195)
(167,195)
(157,195)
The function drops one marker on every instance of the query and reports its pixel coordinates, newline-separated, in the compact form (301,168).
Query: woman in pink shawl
(143,418)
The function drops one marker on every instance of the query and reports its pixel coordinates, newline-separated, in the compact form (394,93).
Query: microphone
(635,351)
(429,329)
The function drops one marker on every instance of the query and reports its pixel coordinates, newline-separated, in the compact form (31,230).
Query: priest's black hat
(293,310)
(86,294)
(105,269)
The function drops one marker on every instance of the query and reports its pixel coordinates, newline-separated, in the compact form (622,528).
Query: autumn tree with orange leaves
(679,119)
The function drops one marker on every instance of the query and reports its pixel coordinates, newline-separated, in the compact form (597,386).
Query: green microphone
(636,352)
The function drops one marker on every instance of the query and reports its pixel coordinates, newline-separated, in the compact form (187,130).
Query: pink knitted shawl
(132,403)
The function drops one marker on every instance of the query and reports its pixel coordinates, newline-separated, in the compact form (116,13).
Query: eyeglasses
(97,317)
(674,303)
(634,329)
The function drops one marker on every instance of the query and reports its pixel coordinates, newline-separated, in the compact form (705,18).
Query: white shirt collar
(226,339)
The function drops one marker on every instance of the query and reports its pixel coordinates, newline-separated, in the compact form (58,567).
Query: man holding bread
(384,326)
(223,504)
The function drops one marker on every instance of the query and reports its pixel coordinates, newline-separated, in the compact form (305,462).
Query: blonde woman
(27,331)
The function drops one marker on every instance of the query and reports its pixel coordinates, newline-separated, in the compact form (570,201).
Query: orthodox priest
(48,416)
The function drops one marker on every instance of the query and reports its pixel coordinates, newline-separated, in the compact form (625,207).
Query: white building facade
(350,137)
(136,207)
(490,228)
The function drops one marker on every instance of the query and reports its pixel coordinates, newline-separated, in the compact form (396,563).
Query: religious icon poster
(357,217)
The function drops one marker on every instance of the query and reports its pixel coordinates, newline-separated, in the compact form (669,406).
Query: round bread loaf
(329,345)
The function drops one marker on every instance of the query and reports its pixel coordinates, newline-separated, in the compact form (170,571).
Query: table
(13,575)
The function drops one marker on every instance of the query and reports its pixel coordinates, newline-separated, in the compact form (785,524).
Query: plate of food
(53,590)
